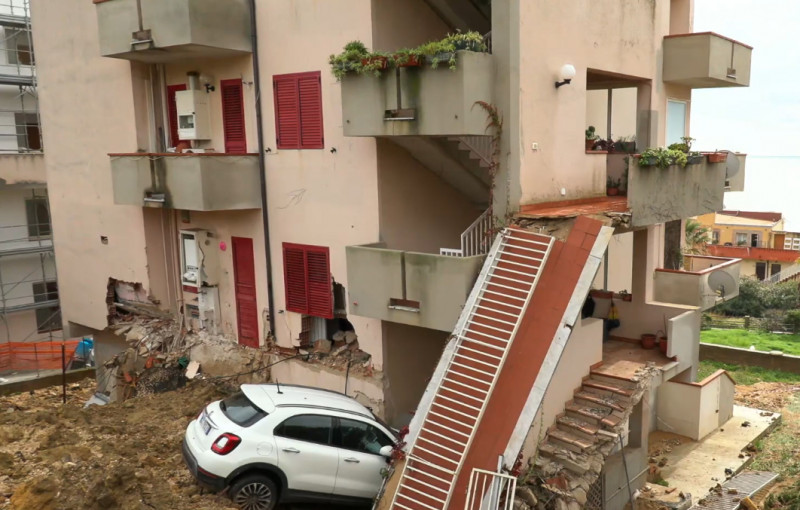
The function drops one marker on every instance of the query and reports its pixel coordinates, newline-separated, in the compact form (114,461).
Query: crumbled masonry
(570,458)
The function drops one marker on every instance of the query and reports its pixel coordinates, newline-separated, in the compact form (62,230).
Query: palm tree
(697,236)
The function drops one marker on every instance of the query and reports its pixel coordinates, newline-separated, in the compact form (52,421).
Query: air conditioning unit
(194,116)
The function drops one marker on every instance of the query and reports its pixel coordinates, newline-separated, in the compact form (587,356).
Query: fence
(490,491)
(35,355)
(749,323)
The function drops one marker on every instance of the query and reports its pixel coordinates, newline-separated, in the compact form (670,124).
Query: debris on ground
(657,497)
(765,395)
(123,455)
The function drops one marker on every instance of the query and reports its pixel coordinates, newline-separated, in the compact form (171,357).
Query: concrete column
(646,117)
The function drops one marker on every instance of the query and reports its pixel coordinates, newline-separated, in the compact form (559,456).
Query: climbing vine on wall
(495,124)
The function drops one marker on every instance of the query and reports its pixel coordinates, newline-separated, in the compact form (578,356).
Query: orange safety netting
(36,355)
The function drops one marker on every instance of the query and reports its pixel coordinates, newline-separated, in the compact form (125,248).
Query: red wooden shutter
(294,276)
(173,113)
(287,111)
(320,289)
(307,275)
(311,131)
(233,116)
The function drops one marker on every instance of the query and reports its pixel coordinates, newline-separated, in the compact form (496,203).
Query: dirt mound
(123,455)
(765,395)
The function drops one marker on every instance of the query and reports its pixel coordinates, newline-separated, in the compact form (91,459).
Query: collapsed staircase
(483,337)
(573,452)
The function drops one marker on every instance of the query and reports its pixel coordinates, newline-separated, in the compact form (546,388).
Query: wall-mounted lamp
(567,74)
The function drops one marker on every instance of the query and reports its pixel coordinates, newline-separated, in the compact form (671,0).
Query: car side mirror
(386,451)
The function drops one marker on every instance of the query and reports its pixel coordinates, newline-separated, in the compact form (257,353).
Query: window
(172,109)
(715,237)
(29,138)
(298,110)
(741,239)
(233,116)
(38,215)
(676,121)
(49,318)
(307,277)
(307,427)
(240,410)
(361,437)
(754,240)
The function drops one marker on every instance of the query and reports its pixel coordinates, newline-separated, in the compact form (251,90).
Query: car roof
(266,397)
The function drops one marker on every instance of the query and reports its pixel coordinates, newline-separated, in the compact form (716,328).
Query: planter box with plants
(439,84)
(672,183)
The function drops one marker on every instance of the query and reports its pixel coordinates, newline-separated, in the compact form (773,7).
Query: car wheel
(254,492)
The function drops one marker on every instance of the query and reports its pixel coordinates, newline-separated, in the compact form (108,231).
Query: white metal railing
(475,240)
(480,146)
(490,491)
(785,274)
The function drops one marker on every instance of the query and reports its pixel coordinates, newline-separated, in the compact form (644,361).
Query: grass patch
(778,451)
(789,344)
(746,375)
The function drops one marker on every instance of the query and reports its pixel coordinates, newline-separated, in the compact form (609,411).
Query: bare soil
(123,455)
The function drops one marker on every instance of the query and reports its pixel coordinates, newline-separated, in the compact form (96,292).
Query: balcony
(22,170)
(435,102)
(709,281)
(195,182)
(706,60)
(418,289)
(173,31)
(657,195)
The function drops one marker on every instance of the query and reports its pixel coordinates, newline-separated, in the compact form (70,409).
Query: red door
(244,276)
(173,113)
(233,116)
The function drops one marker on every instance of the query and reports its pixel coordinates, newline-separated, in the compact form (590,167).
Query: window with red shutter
(307,275)
(233,116)
(298,110)
(172,109)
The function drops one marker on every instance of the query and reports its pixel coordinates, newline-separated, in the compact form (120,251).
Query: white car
(276,443)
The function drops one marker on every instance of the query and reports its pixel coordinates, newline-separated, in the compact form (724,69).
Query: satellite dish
(721,283)
(731,165)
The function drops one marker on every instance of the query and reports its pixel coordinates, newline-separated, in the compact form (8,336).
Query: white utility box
(199,258)
(194,117)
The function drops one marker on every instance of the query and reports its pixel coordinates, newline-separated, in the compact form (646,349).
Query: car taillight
(226,443)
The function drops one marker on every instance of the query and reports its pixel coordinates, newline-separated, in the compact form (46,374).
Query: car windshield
(241,410)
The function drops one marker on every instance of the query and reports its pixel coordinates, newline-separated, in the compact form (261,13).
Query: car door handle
(291,450)
(352,459)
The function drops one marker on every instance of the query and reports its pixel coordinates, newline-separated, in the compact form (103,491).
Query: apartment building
(760,239)
(208,162)
(29,308)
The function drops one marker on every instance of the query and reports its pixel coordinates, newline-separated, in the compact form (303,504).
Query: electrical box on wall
(199,259)
(194,117)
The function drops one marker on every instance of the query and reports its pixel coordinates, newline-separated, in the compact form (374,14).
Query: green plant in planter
(662,158)
(356,58)
(682,147)
(591,133)
(407,56)
(694,158)
(438,51)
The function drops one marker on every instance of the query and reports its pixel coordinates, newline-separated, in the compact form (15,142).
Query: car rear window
(241,410)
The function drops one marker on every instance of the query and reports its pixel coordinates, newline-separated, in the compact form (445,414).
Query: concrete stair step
(607,388)
(577,426)
(600,416)
(569,440)
(575,462)
(602,401)
(616,381)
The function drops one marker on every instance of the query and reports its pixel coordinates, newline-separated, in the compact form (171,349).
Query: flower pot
(695,159)
(717,157)
(647,162)
(384,61)
(662,345)
(612,192)
(648,341)
(590,144)
(626,147)
(412,60)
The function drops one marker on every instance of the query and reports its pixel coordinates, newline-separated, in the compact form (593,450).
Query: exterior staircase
(483,337)
(576,446)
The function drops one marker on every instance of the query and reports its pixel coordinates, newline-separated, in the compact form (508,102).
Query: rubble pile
(122,455)
(341,353)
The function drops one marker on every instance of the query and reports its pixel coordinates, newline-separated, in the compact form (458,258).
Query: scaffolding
(28,280)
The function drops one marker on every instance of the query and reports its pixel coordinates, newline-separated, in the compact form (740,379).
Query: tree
(756,298)
(697,236)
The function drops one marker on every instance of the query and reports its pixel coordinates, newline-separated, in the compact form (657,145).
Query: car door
(360,464)
(306,454)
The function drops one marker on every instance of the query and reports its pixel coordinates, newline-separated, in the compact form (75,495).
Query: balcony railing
(435,102)
(709,281)
(706,60)
(158,31)
(195,182)
(419,289)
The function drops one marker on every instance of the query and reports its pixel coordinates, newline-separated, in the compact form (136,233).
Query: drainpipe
(262,167)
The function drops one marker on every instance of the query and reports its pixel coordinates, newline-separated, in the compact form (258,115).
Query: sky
(762,120)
